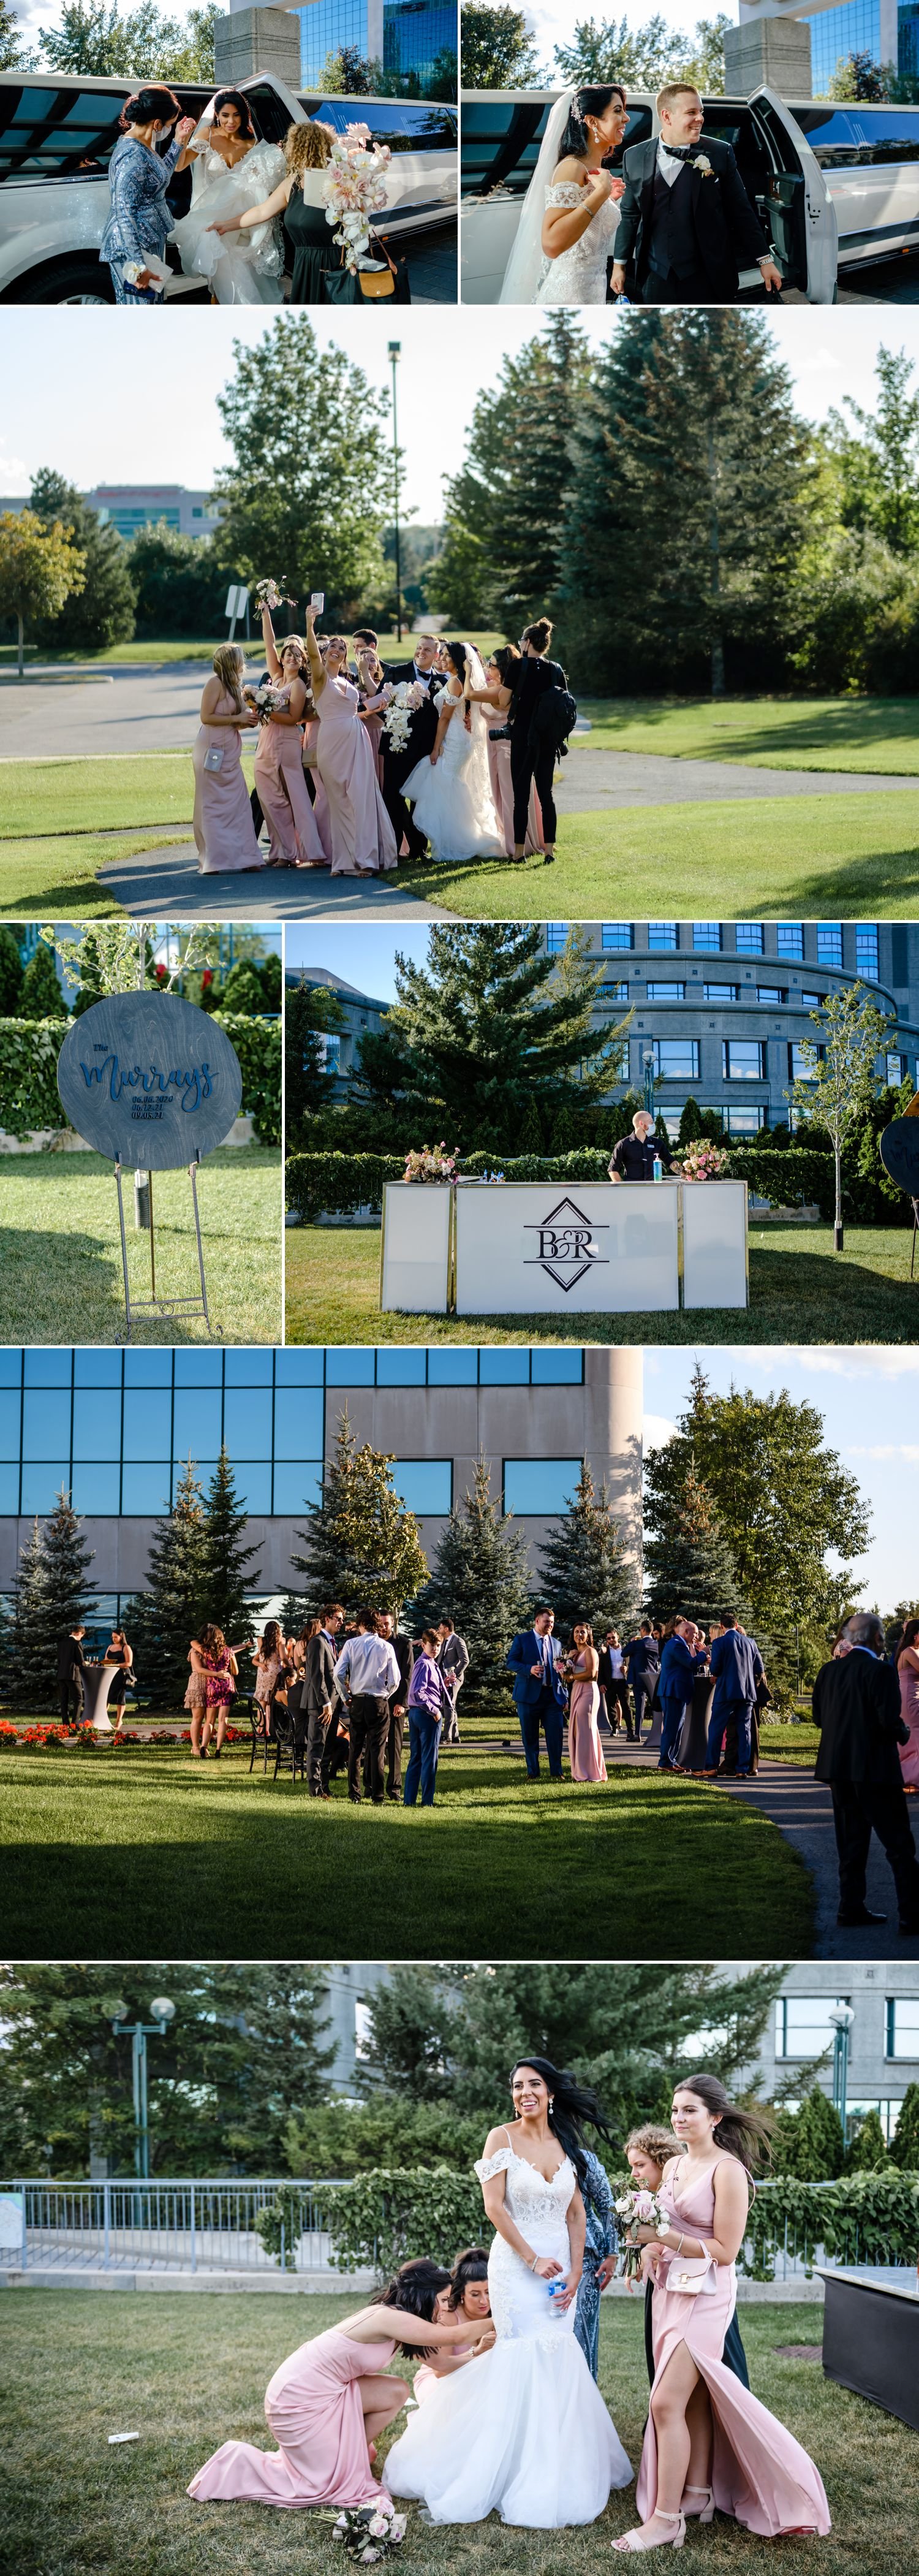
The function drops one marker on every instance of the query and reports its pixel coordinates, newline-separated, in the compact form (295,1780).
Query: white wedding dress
(240,268)
(453,802)
(578,276)
(523,2430)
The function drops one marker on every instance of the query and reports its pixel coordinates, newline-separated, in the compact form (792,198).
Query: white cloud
(14,473)
(888,1449)
(658,1430)
(819,362)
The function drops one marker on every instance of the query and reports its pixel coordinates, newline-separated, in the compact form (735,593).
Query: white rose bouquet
(268,594)
(407,696)
(268,701)
(370,2531)
(636,2209)
(354,189)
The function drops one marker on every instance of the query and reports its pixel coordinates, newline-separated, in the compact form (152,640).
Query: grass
(800,1291)
(188,2372)
(60,1251)
(180,649)
(148,1853)
(797,1744)
(60,876)
(70,797)
(774,733)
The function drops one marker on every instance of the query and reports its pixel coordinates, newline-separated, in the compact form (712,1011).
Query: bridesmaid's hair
(573,2106)
(234,98)
(229,663)
(653,2140)
(294,644)
(307,147)
(507,660)
(742,2133)
(909,1636)
(471,2265)
(417,2285)
(585,103)
(272,1640)
(148,105)
(585,1624)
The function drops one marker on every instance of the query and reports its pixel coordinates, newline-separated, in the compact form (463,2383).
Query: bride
(231,172)
(451,789)
(523,2428)
(570,212)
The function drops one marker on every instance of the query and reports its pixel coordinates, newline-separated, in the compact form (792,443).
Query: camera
(499,733)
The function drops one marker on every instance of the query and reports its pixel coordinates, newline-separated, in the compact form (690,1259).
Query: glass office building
(855,28)
(406,36)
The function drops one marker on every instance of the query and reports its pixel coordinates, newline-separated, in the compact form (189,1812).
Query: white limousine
(57,133)
(836,186)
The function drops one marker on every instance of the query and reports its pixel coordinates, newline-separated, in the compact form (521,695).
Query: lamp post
(137,2031)
(395,353)
(842,2018)
(648,1062)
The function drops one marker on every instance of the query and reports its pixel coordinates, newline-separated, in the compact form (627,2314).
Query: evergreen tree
(690,1122)
(224,1558)
(67,1560)
(311,1011)
(584,1569)
(50,1595)
(688,1565)
(102,613)
(362,1545)
(808,2142)
(40,996)
(512,490)
(867,2151)
(529,1132)
(174,1603)
(904,2147)
(11,972)
(481,1576)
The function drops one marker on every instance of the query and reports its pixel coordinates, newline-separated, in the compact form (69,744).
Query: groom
(398,765)
(539,1694)
(686,214)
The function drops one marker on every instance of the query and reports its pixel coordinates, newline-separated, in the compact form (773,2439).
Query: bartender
(634,1157)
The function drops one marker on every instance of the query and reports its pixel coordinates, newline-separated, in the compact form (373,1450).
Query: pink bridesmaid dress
(353,821)
(909,1711)
(224,834)
(284,798)
(313,2407)
(760,2474)
(499,771)
(585,1751)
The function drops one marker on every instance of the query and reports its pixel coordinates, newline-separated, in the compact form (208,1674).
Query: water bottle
(553,2287)
(657,1169)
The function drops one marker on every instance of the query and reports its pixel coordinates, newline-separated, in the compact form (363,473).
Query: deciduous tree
(40,568)
(497,49)
(309,492)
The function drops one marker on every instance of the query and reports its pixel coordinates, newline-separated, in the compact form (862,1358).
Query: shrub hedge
(29,1050)
(790,1176)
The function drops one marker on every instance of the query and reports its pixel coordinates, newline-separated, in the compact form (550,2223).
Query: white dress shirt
(367,1665)
(668,164)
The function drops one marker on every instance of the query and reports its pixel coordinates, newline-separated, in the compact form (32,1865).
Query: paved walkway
(594,780)
(166,882)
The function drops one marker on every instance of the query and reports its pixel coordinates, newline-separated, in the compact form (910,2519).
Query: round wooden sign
(149,1080)
(900,1154)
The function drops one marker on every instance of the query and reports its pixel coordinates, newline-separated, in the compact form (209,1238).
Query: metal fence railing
(169,2226)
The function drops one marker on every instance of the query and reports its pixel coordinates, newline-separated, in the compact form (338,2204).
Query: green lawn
(187,2372)
(179,649)
(60,1249)
(800,1291)
(146,1852)
(58,878)
(797,1744)
(773,733)
(68,797)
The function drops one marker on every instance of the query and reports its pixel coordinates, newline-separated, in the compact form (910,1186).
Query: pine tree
(584,1569)
(31,1669)
(904,2147)
(808,2142)
(867,2152)
(102,613)
(310,1011)
(225,1560)
(511,492)
(481,1576)
(40,995)
(688,1565)
(690,1122)
(174,1603)
(529,1132)
(11,969)
(67,1560)
(362,1545)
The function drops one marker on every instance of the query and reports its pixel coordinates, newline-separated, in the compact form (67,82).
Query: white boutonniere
(703,164)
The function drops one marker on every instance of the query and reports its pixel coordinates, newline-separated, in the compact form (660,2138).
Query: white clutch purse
(213,758)
(697,2273)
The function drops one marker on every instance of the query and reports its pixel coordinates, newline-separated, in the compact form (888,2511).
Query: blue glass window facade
(539,1488)
(866,951)
(408,35)
(326,27)
(853,29)
(414,33)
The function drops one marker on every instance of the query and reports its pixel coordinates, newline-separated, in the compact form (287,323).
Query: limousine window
(56,133)
(500,144)
(831,134)
(409,126)
(887,136)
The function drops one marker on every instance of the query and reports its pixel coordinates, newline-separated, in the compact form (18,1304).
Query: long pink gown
(313,2407)
(224,834)
(585,1751)
(499,771)
(760,2474)
(909,1711)
(353,822)
(284,798)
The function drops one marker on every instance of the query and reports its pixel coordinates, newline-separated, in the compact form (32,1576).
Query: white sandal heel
(706,2511)
(634,2541)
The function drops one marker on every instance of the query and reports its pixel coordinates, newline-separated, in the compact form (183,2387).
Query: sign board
(237,600)
(900,1153)
(13,2224)
(149,1080)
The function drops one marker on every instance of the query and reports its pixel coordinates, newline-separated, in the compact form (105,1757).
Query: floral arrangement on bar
(370,2531)
(354,190)
(268,594)
(637,2209)
(406,697)
(702,1161)
(433,1163)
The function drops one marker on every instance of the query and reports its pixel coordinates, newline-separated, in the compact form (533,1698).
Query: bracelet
(679,2248)
(533,2265)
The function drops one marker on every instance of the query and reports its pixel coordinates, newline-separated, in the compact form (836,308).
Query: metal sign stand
(137,1307)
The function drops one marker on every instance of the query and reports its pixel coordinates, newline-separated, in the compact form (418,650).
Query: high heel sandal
(703,2513)
(633,2541)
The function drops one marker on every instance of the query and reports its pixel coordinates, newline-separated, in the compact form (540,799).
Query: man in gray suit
(453,1658)
(318,1699)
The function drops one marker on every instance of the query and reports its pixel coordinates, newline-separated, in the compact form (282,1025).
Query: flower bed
(42,1737)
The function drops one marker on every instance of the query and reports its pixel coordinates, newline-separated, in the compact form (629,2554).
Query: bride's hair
(457,653)
(574,2106)
(416,2286)
(585,103)
(307,147)
(229,663)
(742,2133)
(234,98)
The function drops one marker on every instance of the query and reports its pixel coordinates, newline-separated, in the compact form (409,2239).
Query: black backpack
(554,717)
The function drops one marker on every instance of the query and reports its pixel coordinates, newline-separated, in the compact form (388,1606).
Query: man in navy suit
(679,1666)
(539,1694)
(737,1665)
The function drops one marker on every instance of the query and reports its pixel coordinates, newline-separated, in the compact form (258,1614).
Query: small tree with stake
(584,1569)
(481,1576)
(362,1544)
(840,1078)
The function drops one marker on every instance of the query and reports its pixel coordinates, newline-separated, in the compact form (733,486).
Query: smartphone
(317,600)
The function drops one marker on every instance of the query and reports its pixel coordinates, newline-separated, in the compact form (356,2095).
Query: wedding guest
(634,1157)
(368,1670)
(648,2149)
(908,1675)
(533,748)
(211,1687)
(404,1653)
(319,1701)
(428,1704)
(272,1664)
(357,834)
(467,2296)
(453,1658)
(70,1668)
(617,1687)
(679,1664)
(330,2402)
(585,1752)
(857,1710)
(140,221)
(300,200)
(223,828)
(539,1693)
(641,1658)
(425,669)
(599,2257)
(373,696)
(709,2444)
(120,1653)
(737,1666)
(293,831)
(500,674)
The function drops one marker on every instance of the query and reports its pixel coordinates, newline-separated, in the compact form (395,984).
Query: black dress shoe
(862,1915)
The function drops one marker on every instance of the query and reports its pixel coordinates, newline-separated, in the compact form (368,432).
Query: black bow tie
(678,151)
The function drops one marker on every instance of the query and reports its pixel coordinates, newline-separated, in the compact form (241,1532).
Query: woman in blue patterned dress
(599,2258)
(140,220)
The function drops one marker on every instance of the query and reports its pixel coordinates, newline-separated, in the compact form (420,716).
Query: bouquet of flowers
(370,2531)
(268,701)
(703,1161)
(406,697)
(268,594)
(354,190)
(637,2209)
(433,1163)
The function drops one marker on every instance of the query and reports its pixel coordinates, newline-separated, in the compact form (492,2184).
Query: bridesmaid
(708,2442)
(330,2398)
(300,199)
(282,790)
(908,1670)
(373,699)
(648,2150)
(224,836)
(357,834)
(467,2296)
(140,221)
(585,1751)
(499,673)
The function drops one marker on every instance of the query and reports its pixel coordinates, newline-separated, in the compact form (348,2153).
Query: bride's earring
(551,2101)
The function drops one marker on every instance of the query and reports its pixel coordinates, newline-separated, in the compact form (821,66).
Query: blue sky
(364,957)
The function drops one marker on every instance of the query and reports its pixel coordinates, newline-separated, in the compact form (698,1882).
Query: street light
(395,353)
(648,1062)
(842,2017)
(163,2013)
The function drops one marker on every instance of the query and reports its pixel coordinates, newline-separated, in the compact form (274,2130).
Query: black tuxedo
(688,242)
(857,1709)
(70,1668)
(532,753)
(397,765)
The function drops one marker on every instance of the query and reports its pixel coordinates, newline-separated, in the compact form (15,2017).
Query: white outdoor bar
(550,1248)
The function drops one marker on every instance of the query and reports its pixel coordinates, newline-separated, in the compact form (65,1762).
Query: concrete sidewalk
(592,781)
(167,882)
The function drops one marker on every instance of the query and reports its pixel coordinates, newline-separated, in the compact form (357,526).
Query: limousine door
(798,204)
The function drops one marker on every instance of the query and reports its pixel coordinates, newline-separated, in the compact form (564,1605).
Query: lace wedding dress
(241,268)
(523,2430)
(453,802)
(578,276)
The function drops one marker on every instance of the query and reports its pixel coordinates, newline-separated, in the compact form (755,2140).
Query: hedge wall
(789,1176)
(29,1050)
